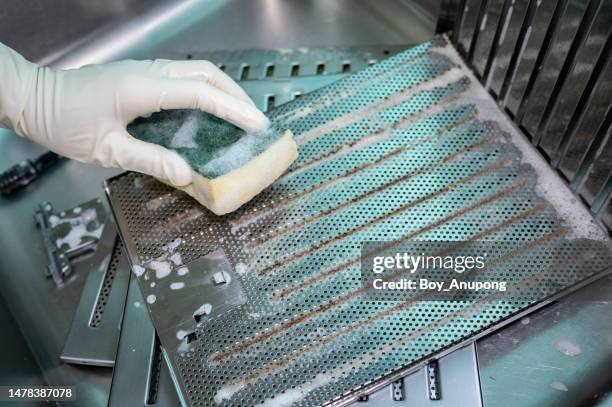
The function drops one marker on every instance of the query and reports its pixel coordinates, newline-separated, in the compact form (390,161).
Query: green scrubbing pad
(218,152)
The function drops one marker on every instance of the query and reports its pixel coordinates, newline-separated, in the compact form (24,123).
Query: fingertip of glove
(257,121)
(176,170)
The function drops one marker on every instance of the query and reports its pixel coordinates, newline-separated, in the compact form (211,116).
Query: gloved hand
(83,113)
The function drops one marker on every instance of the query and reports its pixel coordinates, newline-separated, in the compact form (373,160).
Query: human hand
(83,113)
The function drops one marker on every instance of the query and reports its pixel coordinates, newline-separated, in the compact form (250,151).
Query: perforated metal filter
(107,284)
(409,149)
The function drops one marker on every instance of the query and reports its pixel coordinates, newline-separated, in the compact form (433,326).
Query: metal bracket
(69,234)
(433,380)
(94,332)
(397,390)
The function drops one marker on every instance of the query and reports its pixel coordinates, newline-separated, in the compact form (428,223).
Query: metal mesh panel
(408,149)
(548,64)
(107,284)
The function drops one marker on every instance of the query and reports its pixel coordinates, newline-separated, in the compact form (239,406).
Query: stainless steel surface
(278,24)
(38,27)
(548,63)
(94,334)
(459,384)
(559,356)
(18,366)
(295,245)
(273,63)
(155,29)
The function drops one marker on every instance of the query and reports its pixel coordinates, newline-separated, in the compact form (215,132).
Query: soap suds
(54,220)
(180,334)
(183,347)
(176,259)
(173,245)
(204,309)
(448,77)
(162,268)
(567,347)
(227,392)
(138,270)
(374,138)
(291,396)
(161,201)
(241,269)
(234,156)
(151,298)
(78,228)
(177,286)
(137,304)
(185,135)
(181,271)
(557,385)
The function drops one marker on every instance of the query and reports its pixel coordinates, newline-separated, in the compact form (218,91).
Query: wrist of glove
(83,113)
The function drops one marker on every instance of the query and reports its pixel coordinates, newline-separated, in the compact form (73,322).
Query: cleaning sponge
(229,166)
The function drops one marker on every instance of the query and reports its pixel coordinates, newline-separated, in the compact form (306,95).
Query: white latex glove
(83,113)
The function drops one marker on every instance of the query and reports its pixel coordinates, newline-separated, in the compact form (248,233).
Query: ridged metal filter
(411,148)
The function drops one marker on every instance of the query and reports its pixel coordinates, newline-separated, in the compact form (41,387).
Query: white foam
(227,392)
(180,334)
(292,396)
(181,271)
(138,270)
(151,298)
(235,155)
(77,232)
(365,141)
(137,304)
(176,259)
(54,220)
(177,285)
(173,245)
(450,76)
(161,201)
(183,347)
(567,347)
(242,269)
(185,135)
(205,309)
(162,268)
(557,385)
